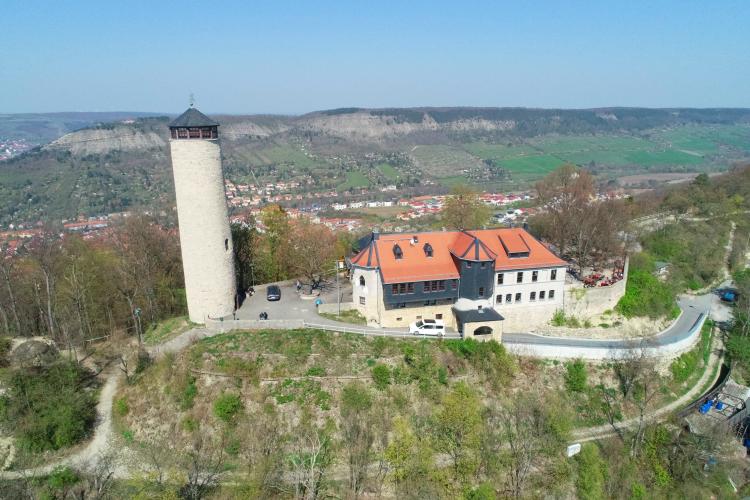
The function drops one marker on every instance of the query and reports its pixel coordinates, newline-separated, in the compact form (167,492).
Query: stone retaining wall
(586,302)
(254,324)
(333,308)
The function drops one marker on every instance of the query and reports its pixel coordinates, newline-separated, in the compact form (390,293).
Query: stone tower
(205,237)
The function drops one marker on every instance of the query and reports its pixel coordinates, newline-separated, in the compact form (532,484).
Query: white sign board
(574,449)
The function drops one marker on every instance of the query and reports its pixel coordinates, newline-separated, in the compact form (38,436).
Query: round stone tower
(205,237)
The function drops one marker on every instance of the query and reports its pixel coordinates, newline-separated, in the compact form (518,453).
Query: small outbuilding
(479,324)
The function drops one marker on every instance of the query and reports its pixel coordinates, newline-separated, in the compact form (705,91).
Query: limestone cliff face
(104,140)
(366,126)
(360,126)
(250,129)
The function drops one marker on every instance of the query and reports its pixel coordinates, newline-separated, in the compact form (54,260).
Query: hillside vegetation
(313,414)
(694,247)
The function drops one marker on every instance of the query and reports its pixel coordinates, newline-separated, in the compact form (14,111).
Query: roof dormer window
(397,252)
(427,250)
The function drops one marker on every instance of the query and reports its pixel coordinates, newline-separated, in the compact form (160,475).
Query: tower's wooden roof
(193,118)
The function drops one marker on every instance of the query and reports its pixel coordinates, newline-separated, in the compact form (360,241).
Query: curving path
(96,448)
(604,431)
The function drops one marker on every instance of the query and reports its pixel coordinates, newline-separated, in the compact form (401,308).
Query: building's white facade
(533,300)
(205,236)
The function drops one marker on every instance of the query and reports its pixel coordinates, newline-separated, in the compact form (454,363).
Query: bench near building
(472,280)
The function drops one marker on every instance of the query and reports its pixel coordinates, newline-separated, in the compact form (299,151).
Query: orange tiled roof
(483,245)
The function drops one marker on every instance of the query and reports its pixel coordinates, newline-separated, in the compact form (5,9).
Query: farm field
(283,155)
(444,161)
(388,171)
(693,147)
(709,139)
(354,179)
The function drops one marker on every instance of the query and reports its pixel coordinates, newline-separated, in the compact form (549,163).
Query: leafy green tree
(458,430)
(465,210)
(274,254)
(592,473)
(411,461)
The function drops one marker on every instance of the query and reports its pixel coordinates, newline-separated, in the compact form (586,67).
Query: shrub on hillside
(381,376)
(645,294)
(488,357)
(5,345)
(684,366)
(49,408)
(227,406)
(576,376)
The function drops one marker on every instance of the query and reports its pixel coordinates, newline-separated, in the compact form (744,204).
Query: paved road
(291,306)
(692,308)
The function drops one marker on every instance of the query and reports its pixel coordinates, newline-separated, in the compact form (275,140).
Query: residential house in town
(473,280)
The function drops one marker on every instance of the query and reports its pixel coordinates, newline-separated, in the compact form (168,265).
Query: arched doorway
(483,330)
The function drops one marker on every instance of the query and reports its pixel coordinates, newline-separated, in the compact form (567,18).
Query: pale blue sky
(294,57)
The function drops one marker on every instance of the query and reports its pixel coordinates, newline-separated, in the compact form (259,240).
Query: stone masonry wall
(205,237)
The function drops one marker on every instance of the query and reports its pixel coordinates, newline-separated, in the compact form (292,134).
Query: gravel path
(603,431)
(99,444)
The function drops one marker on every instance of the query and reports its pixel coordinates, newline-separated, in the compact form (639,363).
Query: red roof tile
(482,245)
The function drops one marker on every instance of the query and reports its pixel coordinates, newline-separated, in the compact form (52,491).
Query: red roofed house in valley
(472,280)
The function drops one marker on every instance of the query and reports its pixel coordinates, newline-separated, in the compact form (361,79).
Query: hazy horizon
(290,59)
(230,113)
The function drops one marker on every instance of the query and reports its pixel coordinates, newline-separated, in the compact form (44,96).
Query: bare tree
(531,430)
(204,463)
(574,220)
(8,273)
(643,394)
(99,476)
(312,249)
(311,458)
(46,254)
(263,446)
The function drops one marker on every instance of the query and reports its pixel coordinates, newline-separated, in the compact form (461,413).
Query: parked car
(433,327)
(273,293)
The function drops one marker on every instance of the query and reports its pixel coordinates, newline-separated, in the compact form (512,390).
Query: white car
(433,327)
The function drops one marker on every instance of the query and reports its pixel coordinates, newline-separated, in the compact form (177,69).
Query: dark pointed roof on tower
(193,118)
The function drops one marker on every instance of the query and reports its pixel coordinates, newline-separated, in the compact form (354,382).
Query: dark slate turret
(192,124)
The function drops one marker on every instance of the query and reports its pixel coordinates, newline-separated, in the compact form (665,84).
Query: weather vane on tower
(192,100)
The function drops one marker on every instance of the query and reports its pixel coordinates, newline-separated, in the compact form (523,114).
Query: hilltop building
(472,280)
(205,236)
